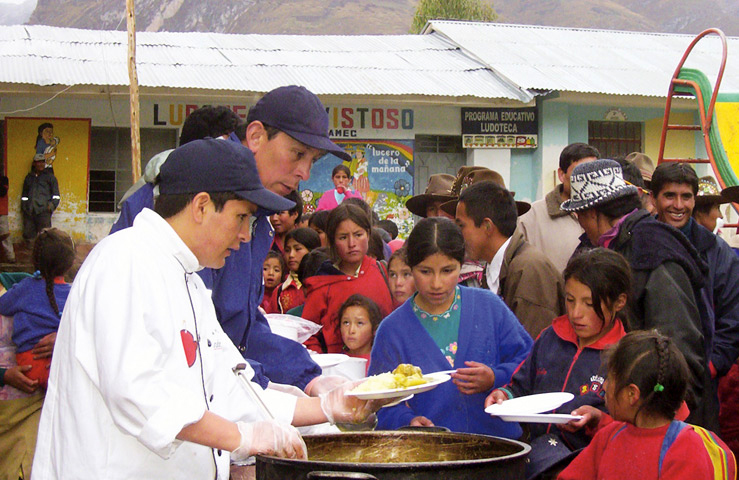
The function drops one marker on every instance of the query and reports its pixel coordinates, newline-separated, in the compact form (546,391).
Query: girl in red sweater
(350,271)
(645,386)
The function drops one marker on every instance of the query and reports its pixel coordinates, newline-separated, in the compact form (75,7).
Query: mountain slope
(348,17)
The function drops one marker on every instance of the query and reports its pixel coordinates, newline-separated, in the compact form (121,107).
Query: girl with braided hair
(646,385)
(36,303)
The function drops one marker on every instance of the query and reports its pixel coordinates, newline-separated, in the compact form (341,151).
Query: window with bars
(614,139)
(110,162)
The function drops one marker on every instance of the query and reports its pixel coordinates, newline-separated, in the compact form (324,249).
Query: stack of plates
(529,409)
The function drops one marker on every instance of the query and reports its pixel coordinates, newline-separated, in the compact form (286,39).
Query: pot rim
(525,449)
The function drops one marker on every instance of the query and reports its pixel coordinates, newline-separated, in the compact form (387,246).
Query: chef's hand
(45,347)
(14,376)
(324,384)
(269,437)
(496,396)
(477,378)
(421,421)
(340,408)
(590,418)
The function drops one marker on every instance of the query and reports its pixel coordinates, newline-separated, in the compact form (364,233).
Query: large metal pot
(401,455)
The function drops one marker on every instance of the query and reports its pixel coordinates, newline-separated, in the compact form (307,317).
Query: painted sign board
(500,128)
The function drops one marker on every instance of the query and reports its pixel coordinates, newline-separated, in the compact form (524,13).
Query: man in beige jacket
(548,227)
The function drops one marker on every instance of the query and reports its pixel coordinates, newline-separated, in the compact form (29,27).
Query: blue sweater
(557,364)
(29,305)
(489,333)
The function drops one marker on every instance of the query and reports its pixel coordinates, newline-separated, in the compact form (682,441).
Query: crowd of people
(614,288)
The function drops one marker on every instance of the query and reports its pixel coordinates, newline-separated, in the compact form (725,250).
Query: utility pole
(133,93)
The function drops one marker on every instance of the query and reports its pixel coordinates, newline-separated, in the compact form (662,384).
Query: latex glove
(269,437)
(324,384)
(344,409)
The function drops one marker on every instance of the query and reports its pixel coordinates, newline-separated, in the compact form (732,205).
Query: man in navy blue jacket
(287,130)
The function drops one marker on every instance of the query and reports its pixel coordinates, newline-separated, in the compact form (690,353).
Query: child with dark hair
(36,303)
(318,222)
(352,271)
(274,270)
(290,293)
(341,176)
(400,278)
(359,318)
(566,355)
(645,385)
(446,326)
(286,221)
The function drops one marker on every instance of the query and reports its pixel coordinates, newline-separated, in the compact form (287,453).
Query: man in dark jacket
(668,271)
(674,190)
(39,199)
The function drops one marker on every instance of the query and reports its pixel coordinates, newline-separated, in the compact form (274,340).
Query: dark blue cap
(215,165)
(299,113)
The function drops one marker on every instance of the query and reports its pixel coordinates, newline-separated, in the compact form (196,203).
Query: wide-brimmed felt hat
(439,189)
(644,164)
(594,183)
(710,192)
(213,166)
(299,113)
(467,176)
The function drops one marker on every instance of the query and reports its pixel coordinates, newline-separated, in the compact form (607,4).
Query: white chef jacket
(120,387)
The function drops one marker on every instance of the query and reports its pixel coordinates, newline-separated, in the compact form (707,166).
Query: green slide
(721,166)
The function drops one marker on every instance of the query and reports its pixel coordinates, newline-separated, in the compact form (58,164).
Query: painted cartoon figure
(359,168)
(46,143)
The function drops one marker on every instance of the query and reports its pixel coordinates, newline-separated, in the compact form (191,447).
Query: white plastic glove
(343,409)
(269,437)
(324,384)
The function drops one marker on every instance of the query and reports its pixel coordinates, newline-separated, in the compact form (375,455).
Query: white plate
(541,402)
(326,360)
(398,401)
(540,418)
(436,380)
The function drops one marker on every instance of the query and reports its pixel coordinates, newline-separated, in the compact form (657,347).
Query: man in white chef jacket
(141,385)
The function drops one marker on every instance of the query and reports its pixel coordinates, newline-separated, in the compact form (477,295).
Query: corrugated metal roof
(329,65)
(584,60)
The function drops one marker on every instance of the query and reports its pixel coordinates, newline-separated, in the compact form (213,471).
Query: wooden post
(134,93)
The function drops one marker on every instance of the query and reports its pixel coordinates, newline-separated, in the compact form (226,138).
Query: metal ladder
(692,83)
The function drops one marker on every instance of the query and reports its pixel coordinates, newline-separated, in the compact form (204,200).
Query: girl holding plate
(445,325)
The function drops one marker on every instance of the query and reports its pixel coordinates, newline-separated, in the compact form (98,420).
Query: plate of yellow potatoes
(403,381)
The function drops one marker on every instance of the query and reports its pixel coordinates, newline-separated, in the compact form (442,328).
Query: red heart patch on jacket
(190,346)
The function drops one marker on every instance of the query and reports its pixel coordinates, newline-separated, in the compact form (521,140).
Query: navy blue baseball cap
(299,113)
(216,165)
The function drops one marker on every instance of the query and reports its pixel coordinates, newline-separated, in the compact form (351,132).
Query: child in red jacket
(290,293)
(645,386)
(351,271)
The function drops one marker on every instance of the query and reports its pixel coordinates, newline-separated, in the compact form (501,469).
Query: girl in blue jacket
(36,303)
(567,356)
(446,326)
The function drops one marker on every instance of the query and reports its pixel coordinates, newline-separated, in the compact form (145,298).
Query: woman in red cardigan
(350,271)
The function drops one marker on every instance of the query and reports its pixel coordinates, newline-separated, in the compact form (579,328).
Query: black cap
(215,165)
(299,113)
